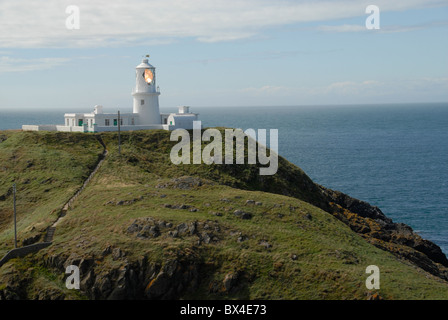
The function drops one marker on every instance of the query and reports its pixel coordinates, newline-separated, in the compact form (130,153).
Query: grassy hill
(145,228)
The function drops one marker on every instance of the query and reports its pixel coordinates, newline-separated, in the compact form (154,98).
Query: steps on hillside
(50,234)
(51,230)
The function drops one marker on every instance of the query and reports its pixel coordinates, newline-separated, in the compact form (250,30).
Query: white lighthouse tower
(146,94)
(145,116)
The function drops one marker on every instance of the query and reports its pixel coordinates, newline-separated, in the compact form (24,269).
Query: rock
(85,264)
(154,231)
(230,282)
(88,280)
(175,277)
(265,244)
(250,202)
(359,207)
(206,238)
(173,234)
(134,227)
(117,254)
(159,286)
(106,251)
(258,203)
(193,227)
(294,257)
(242,214)
(246,216)
(184,183)
(149,232)
(238,213)
(182,228)
(308,216)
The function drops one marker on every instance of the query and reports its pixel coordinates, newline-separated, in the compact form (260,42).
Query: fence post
(15,215)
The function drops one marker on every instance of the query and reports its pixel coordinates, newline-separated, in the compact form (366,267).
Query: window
(132,121)
(73,122)
(115,122)
(68,122)
(165,120)
(142,102)
(107,122)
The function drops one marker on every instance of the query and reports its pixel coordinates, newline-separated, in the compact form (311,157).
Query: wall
(23,251)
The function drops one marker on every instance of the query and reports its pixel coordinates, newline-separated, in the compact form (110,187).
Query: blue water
(392,156)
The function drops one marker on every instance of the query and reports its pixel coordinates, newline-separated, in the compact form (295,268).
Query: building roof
(144,65)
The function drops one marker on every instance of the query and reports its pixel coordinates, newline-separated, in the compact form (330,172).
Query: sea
(394,156)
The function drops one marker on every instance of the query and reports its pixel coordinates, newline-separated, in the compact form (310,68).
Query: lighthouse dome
(144,65)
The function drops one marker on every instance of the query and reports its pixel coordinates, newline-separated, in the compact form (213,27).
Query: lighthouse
(145,115)
(146,94)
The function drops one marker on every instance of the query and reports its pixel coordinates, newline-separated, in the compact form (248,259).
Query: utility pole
(119,137)
(15,215)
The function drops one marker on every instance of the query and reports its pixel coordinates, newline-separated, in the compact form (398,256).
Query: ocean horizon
(391,155)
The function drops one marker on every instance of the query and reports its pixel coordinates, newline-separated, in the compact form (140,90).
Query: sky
(215,53)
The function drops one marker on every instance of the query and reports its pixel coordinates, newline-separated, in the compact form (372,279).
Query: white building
(145,115)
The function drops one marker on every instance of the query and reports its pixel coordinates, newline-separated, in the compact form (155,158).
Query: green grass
(330,259)
(47,169)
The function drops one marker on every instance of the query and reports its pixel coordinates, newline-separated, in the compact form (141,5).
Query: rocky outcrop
(184,183)
(398,238)
(139,278)
(129,277)
(363,218)
(362,208)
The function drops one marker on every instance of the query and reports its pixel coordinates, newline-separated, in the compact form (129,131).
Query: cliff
(144,228)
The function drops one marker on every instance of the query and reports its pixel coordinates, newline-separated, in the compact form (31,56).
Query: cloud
(420,89)
(337,88)
(342,28)
(8,64)
(41,24)
(269,90)
(383,29)
(367,87)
